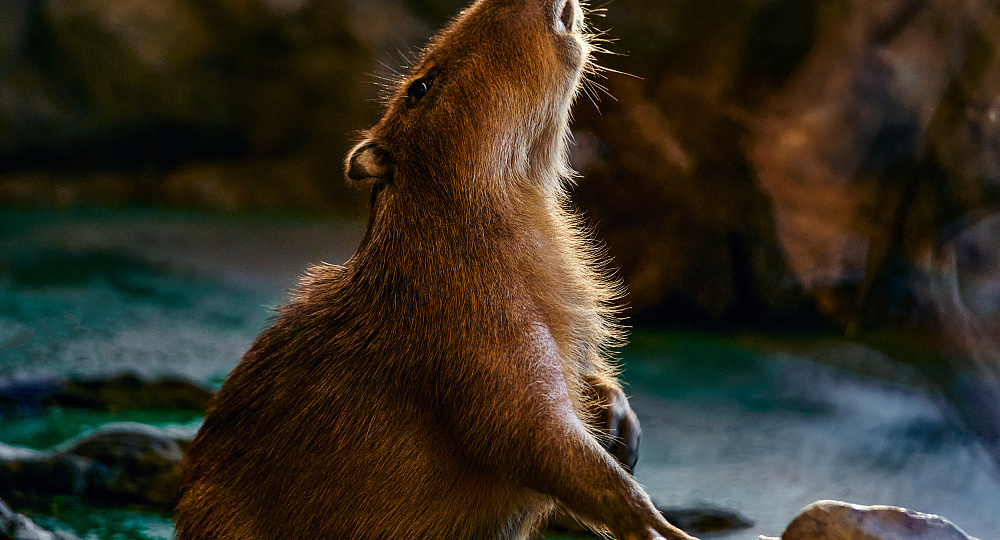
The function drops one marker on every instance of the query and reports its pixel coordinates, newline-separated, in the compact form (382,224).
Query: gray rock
(706,520)
(124,464)
(32,476)
(835,520)
(134,464)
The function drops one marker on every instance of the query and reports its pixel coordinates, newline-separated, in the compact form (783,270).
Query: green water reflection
(89,522)
(53,426)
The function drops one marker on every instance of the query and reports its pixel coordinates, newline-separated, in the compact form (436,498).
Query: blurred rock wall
(767,163)
(232,104)
(782,160)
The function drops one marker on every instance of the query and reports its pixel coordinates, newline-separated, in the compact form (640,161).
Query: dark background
(772,164)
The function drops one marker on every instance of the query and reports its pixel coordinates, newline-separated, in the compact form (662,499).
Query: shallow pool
(762,427)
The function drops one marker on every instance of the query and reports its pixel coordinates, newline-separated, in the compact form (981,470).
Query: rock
(28,397)
(135,88)
(965,132)
(955,288)
(841,151)
(14,526)
(123,464)
(666,179)
(776,166)
(43,189)
(285,183)
(834,520)
(978,264)
(706,520)
(116,394)
(126,392)
(115,67)
(161,70)
(32,477)
(135,464)
(13,25)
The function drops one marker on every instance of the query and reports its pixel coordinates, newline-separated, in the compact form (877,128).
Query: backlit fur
(436,385)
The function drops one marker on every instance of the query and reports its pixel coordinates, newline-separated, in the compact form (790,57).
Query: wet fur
(443,382)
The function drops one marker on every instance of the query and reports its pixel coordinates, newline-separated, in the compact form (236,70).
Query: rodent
(450,380)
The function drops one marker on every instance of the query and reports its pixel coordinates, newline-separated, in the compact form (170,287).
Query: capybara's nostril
(368,160)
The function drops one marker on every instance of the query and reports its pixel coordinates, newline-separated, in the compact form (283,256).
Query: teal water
(688,366)
(760,426)
(93,523)
(96,292)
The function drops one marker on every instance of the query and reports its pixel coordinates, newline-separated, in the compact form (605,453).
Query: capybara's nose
(368,160)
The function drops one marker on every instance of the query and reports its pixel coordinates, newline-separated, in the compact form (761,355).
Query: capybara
(450,380)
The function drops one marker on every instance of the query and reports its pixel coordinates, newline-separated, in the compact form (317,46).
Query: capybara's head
(486,107)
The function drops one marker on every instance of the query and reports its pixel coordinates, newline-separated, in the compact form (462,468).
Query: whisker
(592,96)
(602,50)
(387,66)
(604,89)
(592,101)
(408,59)
(601,34)
(605,69)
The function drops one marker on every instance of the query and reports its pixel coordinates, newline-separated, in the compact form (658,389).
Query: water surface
(763,427)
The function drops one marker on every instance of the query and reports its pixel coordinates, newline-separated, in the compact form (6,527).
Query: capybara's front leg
(530,433)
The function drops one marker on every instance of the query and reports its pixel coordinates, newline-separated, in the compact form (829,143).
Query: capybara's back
(320,433)
(449,380)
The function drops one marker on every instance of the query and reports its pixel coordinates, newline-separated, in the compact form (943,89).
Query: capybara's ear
(369,162)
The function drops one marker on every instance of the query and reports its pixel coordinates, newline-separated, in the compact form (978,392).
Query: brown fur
(433,386)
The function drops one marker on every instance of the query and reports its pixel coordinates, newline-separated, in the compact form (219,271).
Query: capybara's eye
(418,89)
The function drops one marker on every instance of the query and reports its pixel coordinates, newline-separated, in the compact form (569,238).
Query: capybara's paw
(660,531)
(615,418)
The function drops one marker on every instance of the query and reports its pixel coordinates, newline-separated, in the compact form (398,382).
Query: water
(777,431)
(760,427)
(91,523)
(149,292)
